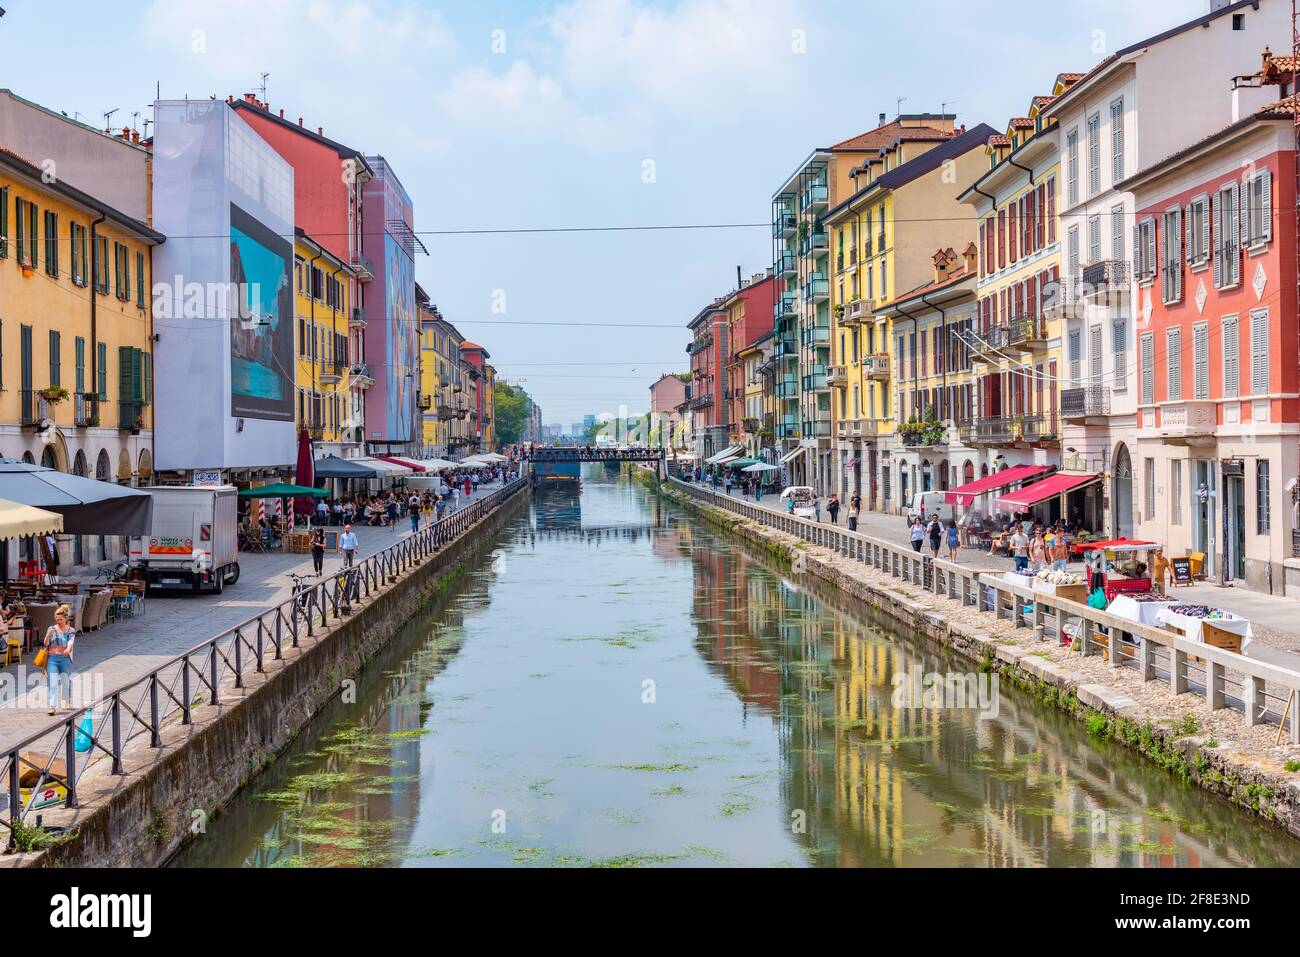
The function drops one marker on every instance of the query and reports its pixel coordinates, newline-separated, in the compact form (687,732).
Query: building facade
(1217,443)
(705,401)
(749,318)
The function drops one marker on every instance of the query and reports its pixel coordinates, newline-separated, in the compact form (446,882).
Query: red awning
(407,463)
(1050,487)
(1113,545)
(965,494)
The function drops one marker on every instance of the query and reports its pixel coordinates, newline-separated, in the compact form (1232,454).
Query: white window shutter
(1205,230)
(1150,252)
(1234,251)
(1176,254)
(1266,206)
(1216,253)
(1137,252)
(1190,243)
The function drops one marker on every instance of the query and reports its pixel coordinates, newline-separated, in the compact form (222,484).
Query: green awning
(742,463)
(283,490)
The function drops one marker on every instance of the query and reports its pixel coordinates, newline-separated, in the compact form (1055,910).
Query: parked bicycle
(302,588)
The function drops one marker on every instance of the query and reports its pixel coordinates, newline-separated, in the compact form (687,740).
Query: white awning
(785,459)
(732,450)
(391,469)
(729,458)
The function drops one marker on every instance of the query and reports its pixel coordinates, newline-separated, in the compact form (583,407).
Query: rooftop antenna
(135,121)
(108,119)
(899,106)
(263,86)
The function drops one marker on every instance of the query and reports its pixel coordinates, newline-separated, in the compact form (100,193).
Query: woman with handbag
(57,652)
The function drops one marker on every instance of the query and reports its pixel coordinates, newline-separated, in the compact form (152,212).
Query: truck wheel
(220,582)
(235,577)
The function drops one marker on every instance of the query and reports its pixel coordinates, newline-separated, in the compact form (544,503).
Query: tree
(511,413)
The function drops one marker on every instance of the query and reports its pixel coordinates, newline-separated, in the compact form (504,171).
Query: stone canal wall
(142,818)
(1210,748)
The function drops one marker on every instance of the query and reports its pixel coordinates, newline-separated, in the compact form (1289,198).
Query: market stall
(1126,564)
(1208,625)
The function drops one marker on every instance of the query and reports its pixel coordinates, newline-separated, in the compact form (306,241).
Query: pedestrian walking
(1159,571)
(853,514)
(1019,544)
(833,506)
(318,549)
(1058,552)
(953,541)
(347,546)
(1037,553)
(817,507)
(918,534)
(935,532)
(59,639)
(414,515)
(455,497)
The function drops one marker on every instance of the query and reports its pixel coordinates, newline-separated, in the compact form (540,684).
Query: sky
(584,113)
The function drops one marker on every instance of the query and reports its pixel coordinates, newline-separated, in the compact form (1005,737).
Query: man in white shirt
(348,546)
(1020,549)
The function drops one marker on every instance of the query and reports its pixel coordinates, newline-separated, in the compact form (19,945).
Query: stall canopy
(437,465)
(88,506)
(743,463)
(762,467)
(17,520)
(1045,490)
(394,460)
(785,459)
(1113,545)
(965,494)
(283,490)
(730,452)
(333,467)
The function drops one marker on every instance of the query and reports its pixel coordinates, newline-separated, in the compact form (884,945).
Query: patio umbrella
(303,474)
(761,467)
(333,467)
(17,520)
(88,506)
(283,490)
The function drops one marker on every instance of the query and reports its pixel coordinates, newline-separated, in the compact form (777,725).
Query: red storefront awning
(1048,488)
(965,494)
(413,466)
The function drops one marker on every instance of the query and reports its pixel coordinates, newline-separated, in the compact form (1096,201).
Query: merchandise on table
(1150,597)
(1050,577)
(1200,611)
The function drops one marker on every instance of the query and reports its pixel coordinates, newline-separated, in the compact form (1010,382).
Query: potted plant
(54,394)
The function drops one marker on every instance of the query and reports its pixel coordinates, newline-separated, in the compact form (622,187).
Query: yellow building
(329,383)
(1017,343)
(883,240)
(76,335)
(444,385)
(489,408)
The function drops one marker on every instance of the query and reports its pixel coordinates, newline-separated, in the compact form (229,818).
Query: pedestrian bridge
(591,453)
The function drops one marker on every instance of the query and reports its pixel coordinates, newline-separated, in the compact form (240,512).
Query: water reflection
(618,685)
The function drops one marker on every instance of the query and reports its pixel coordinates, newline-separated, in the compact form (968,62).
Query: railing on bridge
(202,675)
(592,453)
(1227,680)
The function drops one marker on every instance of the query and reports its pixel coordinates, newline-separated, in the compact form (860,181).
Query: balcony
(130,416)
(784,266)
(815,245)
(858,428)
(924,435)
(1026,333)
(1038,427)
(812,337)
(816,381)
(816,289)
(838,377)
(700,402)
(31,409)
(876,367)
(787,427)
(786,389)
(331,372)
(85,410)
(786,308)
(446,412)
(816,428)
(751,424)
(357,319)
(699,345)
(1183,421)
(1105,280)
(785,346)
(815,197)
(1064,303)
(853,313)
(991,430)
(1085,402)
(363,375)
(362,267)
(424,403)
(784,224)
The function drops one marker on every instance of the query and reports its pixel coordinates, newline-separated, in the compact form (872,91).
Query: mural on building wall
(403,338)
(261,324)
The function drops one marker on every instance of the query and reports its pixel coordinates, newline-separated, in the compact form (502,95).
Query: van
(194,541)
(925,504)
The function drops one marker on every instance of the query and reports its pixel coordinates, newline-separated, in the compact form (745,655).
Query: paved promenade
(173,622)
(1276,620)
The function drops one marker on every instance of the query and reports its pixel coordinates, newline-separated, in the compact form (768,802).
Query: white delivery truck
(926,504)
(194,541)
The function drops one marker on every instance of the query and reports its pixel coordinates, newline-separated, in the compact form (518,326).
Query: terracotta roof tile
(998,139)
(1021,123)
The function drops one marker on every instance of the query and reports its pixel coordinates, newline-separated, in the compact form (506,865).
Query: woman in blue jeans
(58,663)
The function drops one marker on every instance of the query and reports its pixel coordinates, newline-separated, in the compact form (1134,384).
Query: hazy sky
(507,115)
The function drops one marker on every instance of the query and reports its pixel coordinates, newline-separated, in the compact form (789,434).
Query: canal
(616,684)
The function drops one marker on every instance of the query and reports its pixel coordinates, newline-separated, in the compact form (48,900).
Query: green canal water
(617,685)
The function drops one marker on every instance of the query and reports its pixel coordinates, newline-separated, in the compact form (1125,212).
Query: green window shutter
(146,363)
(139,279)
(33,236)
(81,364)
(21,232)
(54,359)
(101,369)
(124,367)
(137,376)
(4,222)
(72,250)
(85,261)
(25,356)
(51,242)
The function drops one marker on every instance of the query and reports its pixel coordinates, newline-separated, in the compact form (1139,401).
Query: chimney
(882,119)
(942,264)
(282,112)
(250,98)
(320,131)
(135,136)
(300,121)
(972,256)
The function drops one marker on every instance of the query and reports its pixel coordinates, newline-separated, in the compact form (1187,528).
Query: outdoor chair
(42,616)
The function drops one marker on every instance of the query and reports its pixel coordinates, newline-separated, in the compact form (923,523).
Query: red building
(708,350)
(750,317)
(476,357)
(1218,413)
